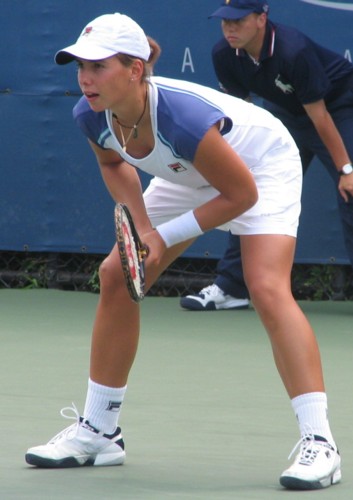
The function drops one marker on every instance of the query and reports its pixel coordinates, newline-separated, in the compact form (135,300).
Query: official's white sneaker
(316,466)
(78,445)
(212,298)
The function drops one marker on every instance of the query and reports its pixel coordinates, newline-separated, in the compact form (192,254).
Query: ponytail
(154,56)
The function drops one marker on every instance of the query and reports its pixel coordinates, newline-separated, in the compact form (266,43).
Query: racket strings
(132,252)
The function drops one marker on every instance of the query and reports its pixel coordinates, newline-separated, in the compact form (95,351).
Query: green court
(205,417)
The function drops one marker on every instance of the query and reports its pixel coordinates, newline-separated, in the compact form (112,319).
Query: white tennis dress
(181,113)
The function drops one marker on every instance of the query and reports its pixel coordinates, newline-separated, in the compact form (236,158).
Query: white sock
(102,406)
(311,412)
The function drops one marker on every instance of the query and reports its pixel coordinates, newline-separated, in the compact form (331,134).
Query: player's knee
(265,292)
(109,277)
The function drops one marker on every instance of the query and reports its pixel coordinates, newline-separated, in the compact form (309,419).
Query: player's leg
(267,262)
(116,327)
(95,438)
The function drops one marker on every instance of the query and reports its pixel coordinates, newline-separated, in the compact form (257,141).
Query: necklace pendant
(135,134)
(124,148)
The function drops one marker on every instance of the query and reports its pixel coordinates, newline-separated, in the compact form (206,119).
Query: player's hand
(156,247)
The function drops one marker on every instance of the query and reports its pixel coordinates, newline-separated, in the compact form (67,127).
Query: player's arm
(218,163)
(123,184)
(332,139)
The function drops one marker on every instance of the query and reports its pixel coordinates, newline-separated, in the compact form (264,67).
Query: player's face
(104,83)
(245,33)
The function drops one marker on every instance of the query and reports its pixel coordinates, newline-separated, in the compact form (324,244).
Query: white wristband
(180,229)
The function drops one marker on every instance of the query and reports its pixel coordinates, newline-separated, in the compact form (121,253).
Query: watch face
(347,169)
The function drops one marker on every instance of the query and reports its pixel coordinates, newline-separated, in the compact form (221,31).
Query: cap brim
(227,12)
(80,51)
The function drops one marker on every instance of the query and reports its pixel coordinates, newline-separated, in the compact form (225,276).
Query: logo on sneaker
(86,425)
(114,406)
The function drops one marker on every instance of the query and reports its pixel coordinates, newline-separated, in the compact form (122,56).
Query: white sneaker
(212,298)
(317,465)
(78,445)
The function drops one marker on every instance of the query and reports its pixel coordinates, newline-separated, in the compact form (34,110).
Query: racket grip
(144,251)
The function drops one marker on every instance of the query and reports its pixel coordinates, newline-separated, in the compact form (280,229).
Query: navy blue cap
(236,9)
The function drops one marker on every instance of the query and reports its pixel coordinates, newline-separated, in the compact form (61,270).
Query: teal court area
(205,415)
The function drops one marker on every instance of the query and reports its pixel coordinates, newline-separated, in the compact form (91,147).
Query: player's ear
(137,69)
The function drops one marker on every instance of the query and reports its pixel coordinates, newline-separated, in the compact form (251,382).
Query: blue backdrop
(52,197)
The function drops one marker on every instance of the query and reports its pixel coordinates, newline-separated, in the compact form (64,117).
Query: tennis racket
(132,252)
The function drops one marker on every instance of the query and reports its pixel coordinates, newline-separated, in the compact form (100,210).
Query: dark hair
(149,65)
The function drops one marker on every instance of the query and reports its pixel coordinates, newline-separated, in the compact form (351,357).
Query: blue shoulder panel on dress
(183,118)
(93,125)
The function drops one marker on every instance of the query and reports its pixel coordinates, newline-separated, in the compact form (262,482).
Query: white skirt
(278,179)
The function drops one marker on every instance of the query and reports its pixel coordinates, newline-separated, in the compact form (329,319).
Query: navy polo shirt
(293,70)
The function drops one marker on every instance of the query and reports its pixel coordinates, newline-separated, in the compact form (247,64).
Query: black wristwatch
(346,169)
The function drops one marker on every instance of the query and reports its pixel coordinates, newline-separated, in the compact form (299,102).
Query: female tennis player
(217,162)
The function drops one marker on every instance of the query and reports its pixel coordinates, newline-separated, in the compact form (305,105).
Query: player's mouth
(91,96)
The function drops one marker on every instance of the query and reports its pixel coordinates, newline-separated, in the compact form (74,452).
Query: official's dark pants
(229,270)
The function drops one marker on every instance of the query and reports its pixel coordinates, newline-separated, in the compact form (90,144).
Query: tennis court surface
(205,416)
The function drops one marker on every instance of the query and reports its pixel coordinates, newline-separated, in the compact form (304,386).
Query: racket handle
(144,251)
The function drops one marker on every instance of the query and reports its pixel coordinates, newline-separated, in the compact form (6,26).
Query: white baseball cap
(106,36)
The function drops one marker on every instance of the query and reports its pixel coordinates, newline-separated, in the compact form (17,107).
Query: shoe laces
(309,448)
(71,431)
(211,290)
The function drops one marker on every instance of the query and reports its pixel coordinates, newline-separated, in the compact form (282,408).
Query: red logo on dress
(177,167)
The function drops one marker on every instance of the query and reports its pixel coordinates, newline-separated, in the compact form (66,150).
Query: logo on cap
(88,30)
